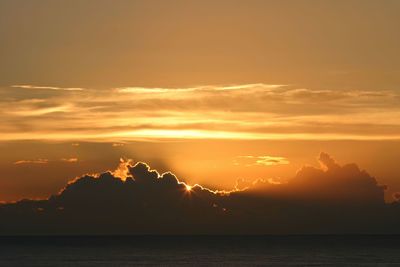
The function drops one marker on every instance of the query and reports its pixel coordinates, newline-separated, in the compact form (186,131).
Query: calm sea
(201,251)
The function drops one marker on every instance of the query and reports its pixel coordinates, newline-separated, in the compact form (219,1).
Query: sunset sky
(214,91)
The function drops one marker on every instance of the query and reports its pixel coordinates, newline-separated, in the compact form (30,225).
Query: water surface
(201,251)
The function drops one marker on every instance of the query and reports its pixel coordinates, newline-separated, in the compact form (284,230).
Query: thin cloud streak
(250,161)
(69,159)
(27,86)
(159,135)
(45,161)
(36,161)
(197,88)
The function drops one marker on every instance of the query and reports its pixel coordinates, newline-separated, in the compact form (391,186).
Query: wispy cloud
(153,90)
(69,159)
(35,161)
(198,88)
(249,161)
(28,86)
(249,111)
(117,144)
(44,161)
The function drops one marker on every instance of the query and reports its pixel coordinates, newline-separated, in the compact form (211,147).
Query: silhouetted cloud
(137,200)
(333,183)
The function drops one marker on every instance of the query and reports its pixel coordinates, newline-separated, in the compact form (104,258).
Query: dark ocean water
(201,251)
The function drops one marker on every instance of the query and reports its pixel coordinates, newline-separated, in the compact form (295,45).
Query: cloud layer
(249,111)
(137,200)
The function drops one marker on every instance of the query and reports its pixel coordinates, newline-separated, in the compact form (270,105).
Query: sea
(294,250)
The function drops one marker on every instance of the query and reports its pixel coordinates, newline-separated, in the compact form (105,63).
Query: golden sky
(211,90)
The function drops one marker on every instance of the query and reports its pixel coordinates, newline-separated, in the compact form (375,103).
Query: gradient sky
(211,90)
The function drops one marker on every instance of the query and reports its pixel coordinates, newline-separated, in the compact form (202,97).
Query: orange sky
(213,91)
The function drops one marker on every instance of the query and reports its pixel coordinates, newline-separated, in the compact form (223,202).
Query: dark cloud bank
(335,199)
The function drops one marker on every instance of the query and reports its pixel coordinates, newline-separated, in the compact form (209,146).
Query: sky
(214,91)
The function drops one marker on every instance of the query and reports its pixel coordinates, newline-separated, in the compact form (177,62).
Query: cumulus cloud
(135,199)
(333,184)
